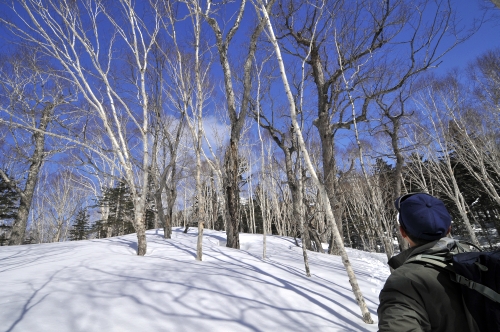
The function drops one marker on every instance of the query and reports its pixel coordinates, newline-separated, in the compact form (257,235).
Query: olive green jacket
(422,297)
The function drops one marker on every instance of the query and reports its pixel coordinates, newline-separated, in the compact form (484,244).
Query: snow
(102,285)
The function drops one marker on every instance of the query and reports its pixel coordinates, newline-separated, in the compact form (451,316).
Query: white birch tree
(93,42)
(324,196)
(33,107)
(433,104)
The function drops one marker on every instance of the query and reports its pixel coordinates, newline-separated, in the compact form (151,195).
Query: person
(419,296)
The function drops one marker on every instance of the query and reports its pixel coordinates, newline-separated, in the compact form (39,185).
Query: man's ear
(402,231)
(406,237)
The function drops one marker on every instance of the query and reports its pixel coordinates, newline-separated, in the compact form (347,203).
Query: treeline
(160,135)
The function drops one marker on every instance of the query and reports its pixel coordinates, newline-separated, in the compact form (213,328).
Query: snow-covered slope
(101,285)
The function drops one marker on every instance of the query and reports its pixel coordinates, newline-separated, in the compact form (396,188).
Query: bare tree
(394,114)
(33,100)
(475,118)
(262,181)
(321,188)
(62,196)
(237,119)
(436,107)
(189,75)
(83,38)
(348,47)
(287,142)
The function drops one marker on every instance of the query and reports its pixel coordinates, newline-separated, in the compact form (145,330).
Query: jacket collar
(438,247)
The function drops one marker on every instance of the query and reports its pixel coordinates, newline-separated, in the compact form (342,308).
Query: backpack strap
(484,290)
(445,264)
(461,248)
(438,261)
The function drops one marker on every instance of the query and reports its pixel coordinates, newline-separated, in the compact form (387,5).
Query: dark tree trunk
(214,203)
(403,245)
(398,170)
(315,237)
(26,196)
(231,180)
(232,196)
(171,197)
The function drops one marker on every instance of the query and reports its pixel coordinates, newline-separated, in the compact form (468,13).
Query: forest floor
(102,285)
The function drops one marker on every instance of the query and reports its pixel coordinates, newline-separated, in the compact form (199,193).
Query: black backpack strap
(445,264)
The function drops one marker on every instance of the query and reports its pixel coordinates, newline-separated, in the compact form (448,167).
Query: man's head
(423,217)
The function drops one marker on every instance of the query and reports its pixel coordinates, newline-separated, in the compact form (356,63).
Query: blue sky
(486,38)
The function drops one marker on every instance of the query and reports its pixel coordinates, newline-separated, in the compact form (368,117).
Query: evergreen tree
(97,228)
(121,211)
(245,226)
(9,202)
(81,226)
(150,216)
(4,231)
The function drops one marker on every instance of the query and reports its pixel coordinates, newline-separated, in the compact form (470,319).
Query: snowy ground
(101,285)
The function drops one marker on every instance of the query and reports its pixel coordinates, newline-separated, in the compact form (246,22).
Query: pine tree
(119,201)
(150,215)
(121,211)
(81,226)
(97,228)
(9,202)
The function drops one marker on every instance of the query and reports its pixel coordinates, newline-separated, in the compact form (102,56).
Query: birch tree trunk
(66,29)
(262,193)
(345,259)
(294,181)
(439,163)
(386,238)
(197,134)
